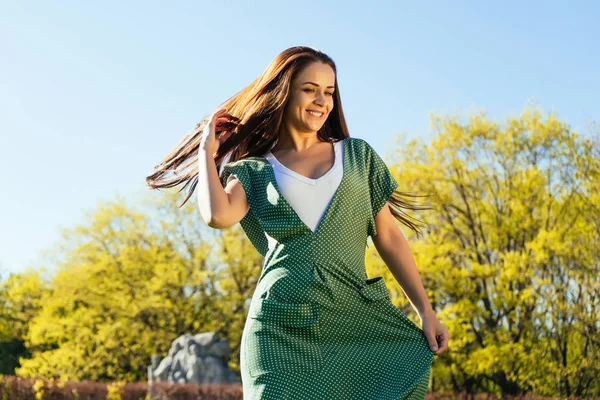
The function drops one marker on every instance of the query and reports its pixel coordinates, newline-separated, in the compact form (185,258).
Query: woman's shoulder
(360,146)
(358,142)
(249,164)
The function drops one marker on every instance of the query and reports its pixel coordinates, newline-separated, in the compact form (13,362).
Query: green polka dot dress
(317,328)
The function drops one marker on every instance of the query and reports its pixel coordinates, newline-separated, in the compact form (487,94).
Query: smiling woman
(310,101)
(255,122)
(308,196)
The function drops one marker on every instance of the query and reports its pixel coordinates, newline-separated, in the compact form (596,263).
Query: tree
(20,297)
(130,283)
(511,256)
(241,267)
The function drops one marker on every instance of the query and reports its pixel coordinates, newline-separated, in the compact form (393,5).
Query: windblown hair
(260,108)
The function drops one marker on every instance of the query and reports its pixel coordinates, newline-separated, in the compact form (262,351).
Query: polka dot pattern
(317,327)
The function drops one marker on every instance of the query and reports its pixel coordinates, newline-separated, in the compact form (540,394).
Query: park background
(93,95)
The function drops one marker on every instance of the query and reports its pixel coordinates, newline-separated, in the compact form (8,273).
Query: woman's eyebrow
(312,83)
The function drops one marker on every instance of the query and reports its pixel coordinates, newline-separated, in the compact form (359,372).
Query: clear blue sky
(93,94)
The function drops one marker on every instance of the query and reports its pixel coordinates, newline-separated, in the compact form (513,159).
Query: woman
(308,195)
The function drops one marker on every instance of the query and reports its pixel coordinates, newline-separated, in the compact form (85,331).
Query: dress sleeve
(238,170)
(250,223)
(381,185)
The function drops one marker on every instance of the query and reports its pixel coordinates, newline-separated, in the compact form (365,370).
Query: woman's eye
(312,90)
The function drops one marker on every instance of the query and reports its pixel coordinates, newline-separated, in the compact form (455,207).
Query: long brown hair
(260,109)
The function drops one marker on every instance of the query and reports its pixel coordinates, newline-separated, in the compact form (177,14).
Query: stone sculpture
(195,359)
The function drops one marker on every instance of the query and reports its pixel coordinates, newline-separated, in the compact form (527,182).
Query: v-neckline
(302,178)
(333,199)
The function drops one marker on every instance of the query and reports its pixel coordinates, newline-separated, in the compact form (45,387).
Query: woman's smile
(315,114)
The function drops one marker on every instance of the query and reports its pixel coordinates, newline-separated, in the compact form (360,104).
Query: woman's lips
(310,112)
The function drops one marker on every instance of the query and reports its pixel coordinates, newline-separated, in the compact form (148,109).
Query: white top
(309,197)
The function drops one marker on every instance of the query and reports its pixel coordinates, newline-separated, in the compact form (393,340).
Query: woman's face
(311,98)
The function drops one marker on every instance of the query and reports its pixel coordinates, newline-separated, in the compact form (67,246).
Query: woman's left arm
(395,252)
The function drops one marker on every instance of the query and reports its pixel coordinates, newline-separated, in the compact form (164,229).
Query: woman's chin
(314,126)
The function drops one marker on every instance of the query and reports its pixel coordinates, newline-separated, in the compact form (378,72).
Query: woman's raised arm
(219,207)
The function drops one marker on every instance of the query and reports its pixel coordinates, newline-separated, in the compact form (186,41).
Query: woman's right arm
(219,207)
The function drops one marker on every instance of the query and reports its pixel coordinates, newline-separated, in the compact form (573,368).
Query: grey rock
(198,359)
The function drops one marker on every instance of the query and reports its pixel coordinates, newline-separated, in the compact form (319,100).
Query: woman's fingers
(222,113)
(223,137)
(214,116)
(219,127)
(225,126)
(228,118)
(442,341)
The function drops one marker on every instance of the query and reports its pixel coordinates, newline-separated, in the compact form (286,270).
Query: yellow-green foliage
(237,279)
(511,258)
(21,295)
(38,388)
(115,390)
(131,284)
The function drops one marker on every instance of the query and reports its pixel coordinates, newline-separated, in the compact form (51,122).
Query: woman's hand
(218,128)
(436,333)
